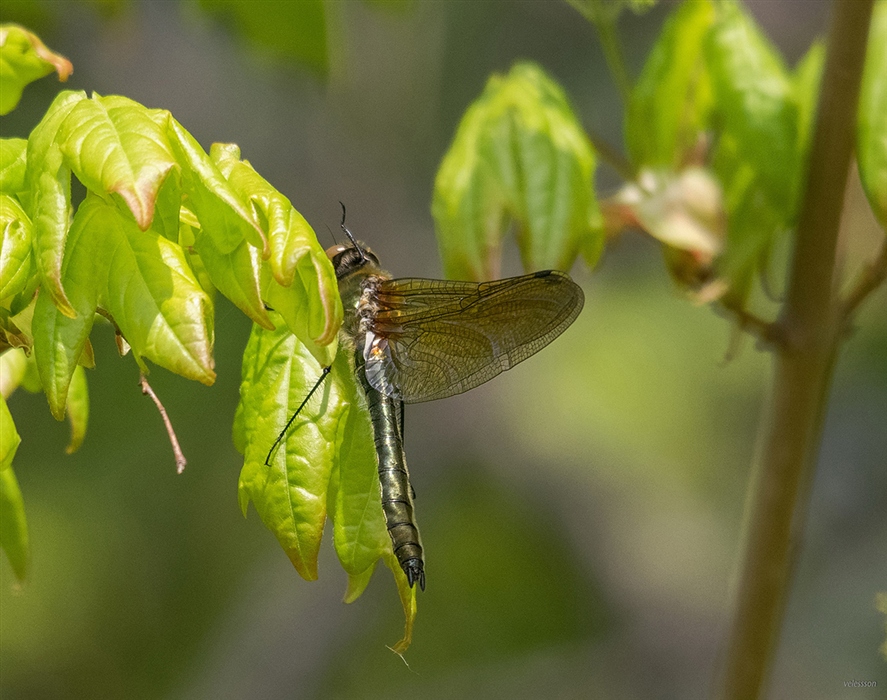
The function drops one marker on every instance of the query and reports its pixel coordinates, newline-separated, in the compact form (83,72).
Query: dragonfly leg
(326,371)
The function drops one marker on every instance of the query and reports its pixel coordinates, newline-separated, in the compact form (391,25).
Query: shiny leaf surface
(13,165)
(15,247)
(113,145)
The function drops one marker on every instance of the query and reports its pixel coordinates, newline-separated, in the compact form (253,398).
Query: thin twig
(612,49)
(868,281)
(768,333)
(610,155)
(603,18)
(174,441)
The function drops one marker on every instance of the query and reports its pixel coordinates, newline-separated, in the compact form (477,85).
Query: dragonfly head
(347,259)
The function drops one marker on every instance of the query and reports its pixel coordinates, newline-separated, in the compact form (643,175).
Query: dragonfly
(416,340)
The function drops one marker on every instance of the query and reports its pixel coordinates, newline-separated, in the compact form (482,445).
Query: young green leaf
(24,59)
(326,465)
(357,584)
(222,213)
(671,100)
(755,99)
(155,300)
(290,495)
(13,165)
(15,247)
(519,152)
(407,595)
(236,275)
(78,409)
(303,311)
(9,437)
(13,525)
(314,312)
(49,186)
(13,364)
(168,207)
(871,132)
(60,339)
(759,157)
(355,500)
(113,145)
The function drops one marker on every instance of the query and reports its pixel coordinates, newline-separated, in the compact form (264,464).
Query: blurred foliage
(519,155)
(624,448)
(24,59)
(871,143)
(295,31)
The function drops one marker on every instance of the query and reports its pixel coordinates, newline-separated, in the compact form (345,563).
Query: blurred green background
(612,467)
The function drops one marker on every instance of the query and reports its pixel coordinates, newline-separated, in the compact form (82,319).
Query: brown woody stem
(810,321)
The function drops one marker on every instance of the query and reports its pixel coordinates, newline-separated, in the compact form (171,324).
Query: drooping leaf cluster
(326,466)
(162,226)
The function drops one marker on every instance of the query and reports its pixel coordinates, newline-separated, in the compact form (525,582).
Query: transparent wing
(438,338)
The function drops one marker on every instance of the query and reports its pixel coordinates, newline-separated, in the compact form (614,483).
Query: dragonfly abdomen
(394,482)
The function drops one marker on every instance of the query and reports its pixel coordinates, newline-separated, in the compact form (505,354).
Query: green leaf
(24,59)
(78,409)
(520,153)
(407,595)
(9,437)
(49,184)
(13,525)
(291,237)
(313,309)
(288,30)
(13,364)
(670,103)
(59,339)
(222,214)
(290,495)
(154,298)
(755,99)
(760,158)
(13,165)
(301,309)
(355,500)
(326,465)
(15,247)
(168,207)
(871,132)
(236,275)
(31,379)
(113,144)
(357,584)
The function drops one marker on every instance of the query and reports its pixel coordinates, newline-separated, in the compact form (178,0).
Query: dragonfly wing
(437,338)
